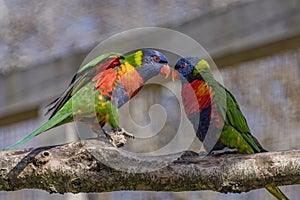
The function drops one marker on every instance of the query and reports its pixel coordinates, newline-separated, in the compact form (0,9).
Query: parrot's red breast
(196,96)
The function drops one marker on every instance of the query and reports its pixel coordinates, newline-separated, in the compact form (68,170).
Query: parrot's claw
(225,150)
(118,137)
(117,140)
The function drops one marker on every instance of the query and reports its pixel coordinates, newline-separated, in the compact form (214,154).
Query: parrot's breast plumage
(119,83)
(198,101)
(130,79)
(196,96)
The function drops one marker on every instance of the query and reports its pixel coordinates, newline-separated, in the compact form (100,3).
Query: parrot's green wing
(82,77)
(236,119)
(235,122)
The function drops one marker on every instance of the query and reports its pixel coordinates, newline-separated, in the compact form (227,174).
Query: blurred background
(254,43)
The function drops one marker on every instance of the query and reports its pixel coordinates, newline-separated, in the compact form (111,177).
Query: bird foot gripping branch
(118,137)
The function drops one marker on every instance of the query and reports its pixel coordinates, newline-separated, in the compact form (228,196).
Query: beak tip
(165,70)
(175,75)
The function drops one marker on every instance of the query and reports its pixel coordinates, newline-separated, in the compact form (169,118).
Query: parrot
(215,113)
(99,88)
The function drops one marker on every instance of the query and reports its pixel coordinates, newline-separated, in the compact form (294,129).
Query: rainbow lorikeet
(214,112)
(100,87)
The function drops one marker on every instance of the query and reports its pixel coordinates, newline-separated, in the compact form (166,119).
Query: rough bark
(96,166)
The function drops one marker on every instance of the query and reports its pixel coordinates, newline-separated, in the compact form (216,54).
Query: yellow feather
(126,67)
(138,58)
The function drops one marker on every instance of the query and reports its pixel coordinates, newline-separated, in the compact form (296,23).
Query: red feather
(126,76)
(132,82)
(105,81)
(109,62)
(196,96)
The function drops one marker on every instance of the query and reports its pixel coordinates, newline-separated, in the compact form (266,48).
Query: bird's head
(184,68)
(189,67)
(150,62)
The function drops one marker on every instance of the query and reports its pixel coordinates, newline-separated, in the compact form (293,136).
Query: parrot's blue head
(151,55)
(153,63)
(185,67)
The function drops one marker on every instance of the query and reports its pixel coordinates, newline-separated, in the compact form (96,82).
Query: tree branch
(96,166)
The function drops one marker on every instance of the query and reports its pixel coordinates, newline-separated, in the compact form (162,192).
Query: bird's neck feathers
(135,59)
(202,71)
(147,71)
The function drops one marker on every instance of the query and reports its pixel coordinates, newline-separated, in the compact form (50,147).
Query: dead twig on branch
(96,166)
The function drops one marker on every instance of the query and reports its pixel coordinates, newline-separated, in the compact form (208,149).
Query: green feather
(135,59)
(202,67)
(97,60)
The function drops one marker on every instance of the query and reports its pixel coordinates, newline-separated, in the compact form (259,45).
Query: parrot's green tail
(275,191)
(53,122)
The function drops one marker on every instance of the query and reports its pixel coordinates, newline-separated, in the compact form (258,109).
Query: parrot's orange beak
(165,70)
(175,75)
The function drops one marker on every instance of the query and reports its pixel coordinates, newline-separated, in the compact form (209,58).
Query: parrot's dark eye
(183,65)
(156,58)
